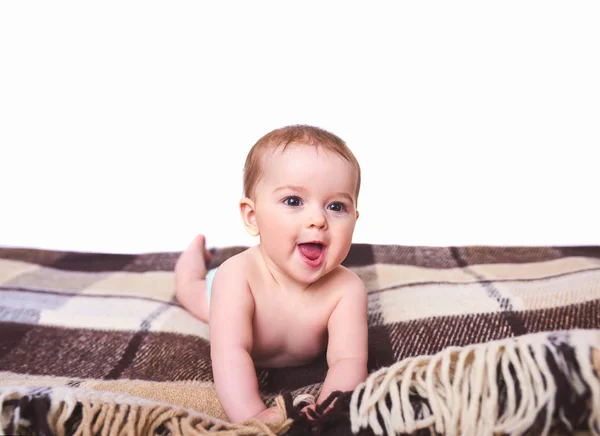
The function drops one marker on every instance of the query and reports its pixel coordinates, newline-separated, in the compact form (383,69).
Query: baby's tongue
(310,250)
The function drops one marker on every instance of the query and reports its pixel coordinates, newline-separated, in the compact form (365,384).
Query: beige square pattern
(575,288)
(423,301)
(9,269)
(382,276)
(56,280)
(177,320)
(159,285)
(535,270)
(100,313)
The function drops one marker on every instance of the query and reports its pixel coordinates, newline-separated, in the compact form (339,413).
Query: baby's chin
(318,275)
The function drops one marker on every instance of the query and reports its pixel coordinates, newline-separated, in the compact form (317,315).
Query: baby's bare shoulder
(343,275)
(343,281)
(233,273)
(238,262)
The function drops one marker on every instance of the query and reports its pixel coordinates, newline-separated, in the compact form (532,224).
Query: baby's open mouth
(311,250)
(312,253)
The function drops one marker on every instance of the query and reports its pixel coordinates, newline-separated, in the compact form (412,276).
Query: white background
(124,126)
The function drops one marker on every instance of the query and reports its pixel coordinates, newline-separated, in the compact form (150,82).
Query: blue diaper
(209,279)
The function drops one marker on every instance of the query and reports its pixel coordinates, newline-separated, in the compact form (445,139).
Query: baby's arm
(231,313)
(347,350)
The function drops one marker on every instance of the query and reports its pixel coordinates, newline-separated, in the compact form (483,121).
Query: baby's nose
(317,219)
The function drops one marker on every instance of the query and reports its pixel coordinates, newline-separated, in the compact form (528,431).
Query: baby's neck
(283,280)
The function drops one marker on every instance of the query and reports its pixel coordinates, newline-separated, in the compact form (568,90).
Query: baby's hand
(309,415)
(311,410)
(269,415)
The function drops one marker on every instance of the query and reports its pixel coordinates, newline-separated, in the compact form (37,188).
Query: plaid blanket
(97,340)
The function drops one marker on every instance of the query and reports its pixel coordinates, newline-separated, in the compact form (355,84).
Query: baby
(288,299)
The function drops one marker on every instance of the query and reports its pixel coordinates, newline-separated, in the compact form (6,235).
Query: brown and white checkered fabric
(96,318)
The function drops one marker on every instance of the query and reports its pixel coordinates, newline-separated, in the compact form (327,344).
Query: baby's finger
(310,412)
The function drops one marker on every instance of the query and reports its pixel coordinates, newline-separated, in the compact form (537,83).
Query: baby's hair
(299,134)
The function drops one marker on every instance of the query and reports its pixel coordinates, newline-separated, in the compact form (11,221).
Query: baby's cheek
(345,233)
(280,232)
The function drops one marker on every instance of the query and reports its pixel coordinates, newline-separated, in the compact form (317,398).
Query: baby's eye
(336,206)
(292,201)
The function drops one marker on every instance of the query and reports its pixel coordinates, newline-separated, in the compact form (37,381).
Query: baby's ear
(248,216)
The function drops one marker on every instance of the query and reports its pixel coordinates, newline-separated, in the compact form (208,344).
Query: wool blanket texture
(462,340)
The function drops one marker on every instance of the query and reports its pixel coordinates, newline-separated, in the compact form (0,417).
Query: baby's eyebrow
(345,195)
(291,188)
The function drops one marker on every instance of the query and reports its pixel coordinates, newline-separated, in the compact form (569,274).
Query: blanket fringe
(61,411)
(530,383)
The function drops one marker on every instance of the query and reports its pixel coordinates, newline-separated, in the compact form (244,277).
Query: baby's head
(310,136)
(301,186)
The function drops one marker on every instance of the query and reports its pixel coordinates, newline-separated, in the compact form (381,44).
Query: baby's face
(305,210)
